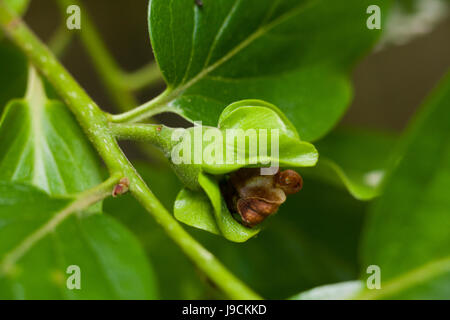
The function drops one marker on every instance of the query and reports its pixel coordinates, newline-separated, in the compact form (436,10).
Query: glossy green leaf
(407,234)
(195,209)
(112,264)
(338,291)
(288,52)
(206,210)
(355,159)
(256,114)
(43,145)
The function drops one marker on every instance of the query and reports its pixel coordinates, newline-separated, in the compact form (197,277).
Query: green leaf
(287,52)
(259,115)
(407,234)
(176,275)
(43,145)
(207,211)
(338,291)
(112,264)
(355,159)
(195,209)
(13,75)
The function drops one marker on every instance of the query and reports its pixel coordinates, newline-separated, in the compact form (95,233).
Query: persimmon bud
(289,181)
(253,211)
(255,197)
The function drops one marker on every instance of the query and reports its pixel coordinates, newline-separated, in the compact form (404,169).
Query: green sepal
(201,204)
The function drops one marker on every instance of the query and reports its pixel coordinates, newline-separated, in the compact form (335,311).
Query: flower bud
(289,181)
(253,211)
(255,197)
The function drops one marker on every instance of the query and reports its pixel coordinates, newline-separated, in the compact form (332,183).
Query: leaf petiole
(147,110)
(60,40)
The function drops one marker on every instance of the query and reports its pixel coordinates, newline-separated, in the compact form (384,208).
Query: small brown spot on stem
(121,188)
(14,23)
(199,3)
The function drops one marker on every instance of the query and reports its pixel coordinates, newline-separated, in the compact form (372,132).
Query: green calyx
(252,125)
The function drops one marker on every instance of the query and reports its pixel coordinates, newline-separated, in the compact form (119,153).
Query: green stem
(156,134)
(114,79)
(96,126)
(118,83)
(147,110)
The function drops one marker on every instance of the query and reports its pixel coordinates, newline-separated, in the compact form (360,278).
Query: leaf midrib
(245,43)
(11,257)
(36,100)
(220,32)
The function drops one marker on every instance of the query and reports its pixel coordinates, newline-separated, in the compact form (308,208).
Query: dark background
(389,85)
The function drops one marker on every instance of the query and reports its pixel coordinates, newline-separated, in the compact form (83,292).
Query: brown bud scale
(255,197)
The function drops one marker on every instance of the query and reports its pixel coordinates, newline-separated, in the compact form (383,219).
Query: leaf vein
(221,31)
